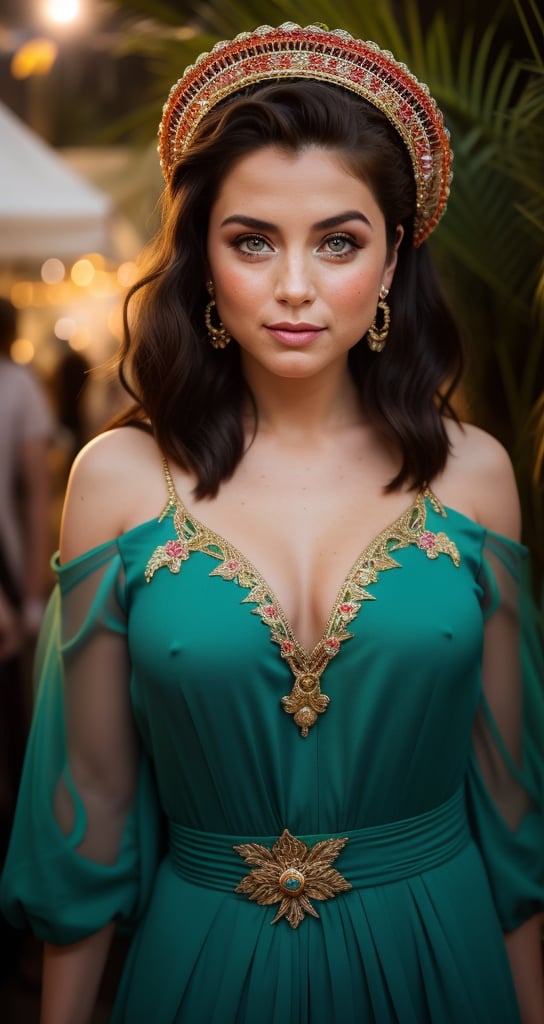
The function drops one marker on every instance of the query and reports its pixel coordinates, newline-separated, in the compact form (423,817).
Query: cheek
(356,299)
(235,289)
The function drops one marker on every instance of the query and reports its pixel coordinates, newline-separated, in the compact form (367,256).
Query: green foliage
(490,244)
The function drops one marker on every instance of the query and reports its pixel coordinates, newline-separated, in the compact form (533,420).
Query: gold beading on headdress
(270,54)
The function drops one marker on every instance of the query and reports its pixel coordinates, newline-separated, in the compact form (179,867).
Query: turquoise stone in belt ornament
(291,882)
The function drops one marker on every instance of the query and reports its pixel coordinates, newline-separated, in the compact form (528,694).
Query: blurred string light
(37,56)
(22,351)
(65,328)
(83,272)
(63,12)
(34,57)
(66,289)
(52,271)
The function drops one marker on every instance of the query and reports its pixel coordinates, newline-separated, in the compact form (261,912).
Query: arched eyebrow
(322,225)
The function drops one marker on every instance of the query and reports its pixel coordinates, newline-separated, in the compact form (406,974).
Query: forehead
(277,179)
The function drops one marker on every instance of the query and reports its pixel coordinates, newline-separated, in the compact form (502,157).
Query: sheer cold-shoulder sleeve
(506,772)
(83,849)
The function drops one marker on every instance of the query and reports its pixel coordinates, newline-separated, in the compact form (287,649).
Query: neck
(301,409)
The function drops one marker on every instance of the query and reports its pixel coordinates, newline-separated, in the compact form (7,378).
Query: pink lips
(294,334)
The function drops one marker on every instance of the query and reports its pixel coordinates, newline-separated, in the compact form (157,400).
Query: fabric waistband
(372,856)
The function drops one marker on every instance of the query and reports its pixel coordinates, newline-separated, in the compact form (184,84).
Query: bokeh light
(62,12)
(65,328)
(22,351)
(82,273)
(53,271)
(35,57)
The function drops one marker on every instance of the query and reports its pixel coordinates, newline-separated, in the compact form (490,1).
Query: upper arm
(95,503)
(497,498)
(116,483)
(480,481)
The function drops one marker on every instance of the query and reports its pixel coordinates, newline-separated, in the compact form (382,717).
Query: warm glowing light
(53,271)
(60,294)
(80,340)
(82,273)
(104,285)
(65,327)
(22,351)
(62,12)
(35,57)
(127,273)
(96,259)
(22,294)
(115,322)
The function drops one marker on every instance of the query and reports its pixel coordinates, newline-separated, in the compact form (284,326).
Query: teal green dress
(293,838)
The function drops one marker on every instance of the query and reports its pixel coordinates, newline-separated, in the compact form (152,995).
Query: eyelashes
(347,242)
(252,245)
(337,246)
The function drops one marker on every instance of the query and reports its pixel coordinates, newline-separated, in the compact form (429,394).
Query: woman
(350,824)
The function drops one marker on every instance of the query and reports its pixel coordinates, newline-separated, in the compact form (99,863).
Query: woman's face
(297,254)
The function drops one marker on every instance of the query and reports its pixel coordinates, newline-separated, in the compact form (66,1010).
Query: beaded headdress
(270,54)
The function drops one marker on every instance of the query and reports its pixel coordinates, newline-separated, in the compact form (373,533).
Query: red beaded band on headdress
(269,54)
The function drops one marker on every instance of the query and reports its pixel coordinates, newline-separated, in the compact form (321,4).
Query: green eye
(337,243)
(252,243)
(255,244)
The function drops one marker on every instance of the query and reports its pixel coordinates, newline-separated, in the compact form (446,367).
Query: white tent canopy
(46,209)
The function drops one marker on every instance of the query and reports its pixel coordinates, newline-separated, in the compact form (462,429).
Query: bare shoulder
(479,480)
(116,482)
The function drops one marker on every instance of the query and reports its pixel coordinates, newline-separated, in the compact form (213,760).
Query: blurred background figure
(68,385)
(26,431)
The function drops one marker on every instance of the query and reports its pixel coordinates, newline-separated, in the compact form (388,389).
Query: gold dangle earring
(377,336)
(219,336)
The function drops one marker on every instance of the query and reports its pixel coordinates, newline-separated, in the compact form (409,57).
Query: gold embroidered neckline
(305,701)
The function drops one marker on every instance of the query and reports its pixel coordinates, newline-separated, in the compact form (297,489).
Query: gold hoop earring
(377,336)
(218,335)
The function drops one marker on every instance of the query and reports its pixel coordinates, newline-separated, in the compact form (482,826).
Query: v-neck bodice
(224,664)
(306,701)
(408,527)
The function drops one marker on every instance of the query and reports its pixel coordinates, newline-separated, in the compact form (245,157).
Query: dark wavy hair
(192,395)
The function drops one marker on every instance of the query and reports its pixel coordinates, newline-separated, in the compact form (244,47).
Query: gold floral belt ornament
(294,871)
(291,872)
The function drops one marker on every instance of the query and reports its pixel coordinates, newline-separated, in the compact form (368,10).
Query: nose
(294,282)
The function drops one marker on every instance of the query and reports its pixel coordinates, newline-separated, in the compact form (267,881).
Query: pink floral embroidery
(229,569)
(287,647)
(346,609)
(175,549)
(332,645)
(427,541)
(270,611)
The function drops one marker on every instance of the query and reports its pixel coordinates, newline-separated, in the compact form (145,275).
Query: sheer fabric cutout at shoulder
(506,774)
(91,785)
